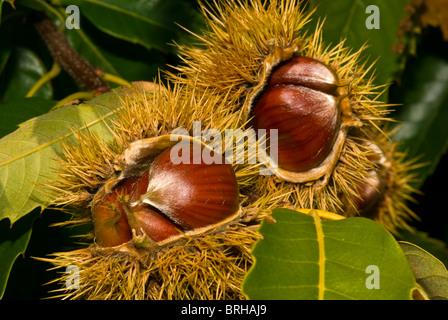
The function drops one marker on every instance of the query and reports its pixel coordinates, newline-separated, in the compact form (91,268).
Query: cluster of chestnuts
(330,122)
(185,230)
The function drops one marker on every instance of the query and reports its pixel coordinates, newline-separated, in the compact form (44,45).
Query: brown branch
(64,54)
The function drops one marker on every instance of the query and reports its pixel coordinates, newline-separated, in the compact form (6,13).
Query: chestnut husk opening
(140,205)
(317,162)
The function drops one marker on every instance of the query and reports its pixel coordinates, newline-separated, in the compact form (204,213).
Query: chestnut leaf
(423,240)
(24,68)
(129,61)
(422,119)
(28,156)
(431,273)
(13,242)
(21,109)
(150,23)
(348,19)
(301,257)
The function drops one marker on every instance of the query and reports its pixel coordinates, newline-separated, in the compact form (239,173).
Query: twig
(64,54)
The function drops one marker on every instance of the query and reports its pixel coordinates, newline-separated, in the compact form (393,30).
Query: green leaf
(423,117)
(431,274)
(348,18)
(422,239)
(150,23)
(13,242)
(129,61)
(9,27)
(28,155)
(21,109)
(23,70)
(302,257)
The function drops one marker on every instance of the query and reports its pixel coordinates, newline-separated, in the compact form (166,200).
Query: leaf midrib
(53,141)
(321,262)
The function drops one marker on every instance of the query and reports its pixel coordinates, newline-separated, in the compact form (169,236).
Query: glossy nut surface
(154,223)
(109,216)
(372,189)
(369,192)
(300,101)
(167,199)
(192,195)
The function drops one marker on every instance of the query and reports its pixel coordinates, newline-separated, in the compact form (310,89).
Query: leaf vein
(129,13)
(53,141)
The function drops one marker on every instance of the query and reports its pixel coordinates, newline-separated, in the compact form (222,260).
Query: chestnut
(144,217)
(371,190)
(302,99)
(110,220)
(167,199)
(192,195)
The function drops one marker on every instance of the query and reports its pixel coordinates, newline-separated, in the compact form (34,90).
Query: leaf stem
(54,71)
(115,79)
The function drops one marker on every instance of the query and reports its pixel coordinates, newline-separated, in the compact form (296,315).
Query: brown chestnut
(109,218)
(167,200)
(301,100)
(371,190)
(192,195)
(142,216)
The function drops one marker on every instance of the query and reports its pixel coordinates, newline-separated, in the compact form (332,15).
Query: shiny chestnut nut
(110,220)
(371,190)
(302,99)
(192,195)
(144,217)
(167,199)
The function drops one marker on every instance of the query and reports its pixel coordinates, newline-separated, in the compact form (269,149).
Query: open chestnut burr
(168,199)
(305,102)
